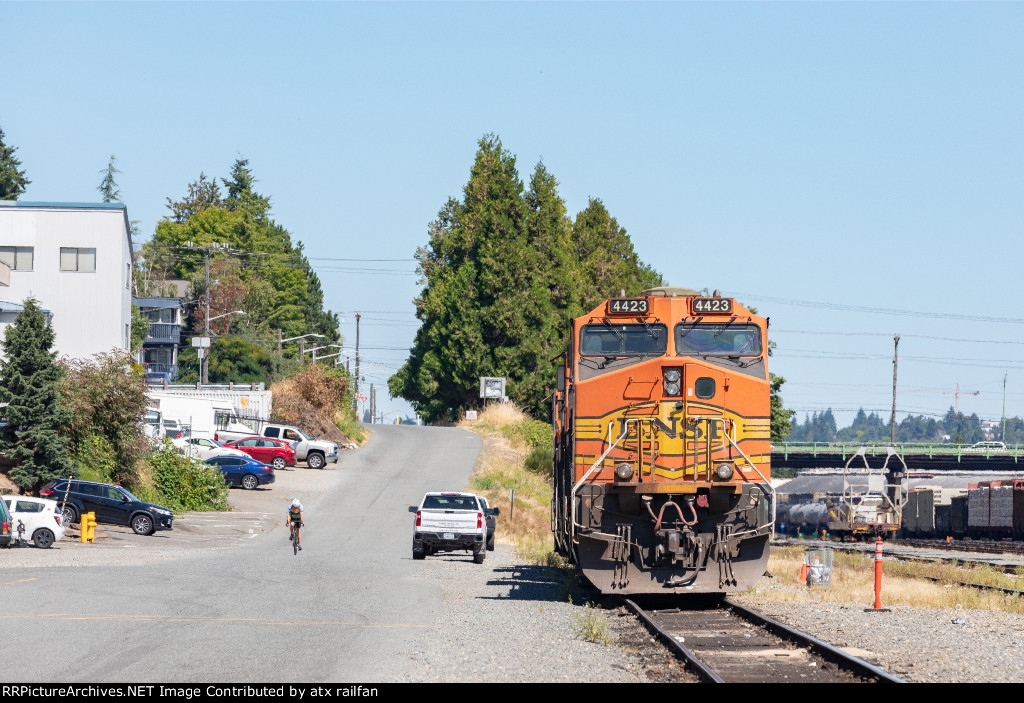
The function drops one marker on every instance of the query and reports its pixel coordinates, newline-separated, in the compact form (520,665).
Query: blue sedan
(243,471)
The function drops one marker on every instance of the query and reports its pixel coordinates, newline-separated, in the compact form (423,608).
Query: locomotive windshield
(718,339)
(615,340)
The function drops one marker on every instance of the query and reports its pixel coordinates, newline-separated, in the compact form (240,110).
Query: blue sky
(831,163)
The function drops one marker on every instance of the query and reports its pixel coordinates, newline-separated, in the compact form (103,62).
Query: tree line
(953,427)
(256,267)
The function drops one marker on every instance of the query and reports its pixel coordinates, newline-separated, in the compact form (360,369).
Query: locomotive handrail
(598,461)
(766,485)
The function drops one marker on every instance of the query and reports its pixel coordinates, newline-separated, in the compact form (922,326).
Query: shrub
(183,483)
(540,460)
(532,433)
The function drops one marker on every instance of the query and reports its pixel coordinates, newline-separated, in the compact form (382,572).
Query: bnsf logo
(672,428)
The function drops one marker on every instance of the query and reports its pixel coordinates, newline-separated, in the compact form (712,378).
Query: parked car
(489,513)
(5,526)
(270,451)
(203,449)
(112,504)
(41,518)
(243,471)
(157,378)
(315,452)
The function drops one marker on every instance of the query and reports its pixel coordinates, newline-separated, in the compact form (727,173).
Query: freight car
(661,445)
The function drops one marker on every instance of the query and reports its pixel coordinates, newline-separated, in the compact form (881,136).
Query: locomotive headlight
(623,472)
(723,472)
(673,376)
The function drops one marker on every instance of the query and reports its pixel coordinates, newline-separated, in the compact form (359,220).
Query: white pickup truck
(315,452)
(448,522)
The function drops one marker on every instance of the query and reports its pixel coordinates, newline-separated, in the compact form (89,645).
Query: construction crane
(956,395)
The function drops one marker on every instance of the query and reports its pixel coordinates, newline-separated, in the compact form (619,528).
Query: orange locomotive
(662,450)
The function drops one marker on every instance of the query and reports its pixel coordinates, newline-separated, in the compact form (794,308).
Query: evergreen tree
(12,180)
(108,186)
(781,420)
(30,381)
(604,260)
(504,273)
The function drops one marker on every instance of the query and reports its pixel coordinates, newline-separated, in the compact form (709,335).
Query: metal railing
(929,449)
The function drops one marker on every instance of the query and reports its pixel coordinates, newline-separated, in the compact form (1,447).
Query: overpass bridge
(918,457)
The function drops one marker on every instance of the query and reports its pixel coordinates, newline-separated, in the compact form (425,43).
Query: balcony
(163,333)
(170,369)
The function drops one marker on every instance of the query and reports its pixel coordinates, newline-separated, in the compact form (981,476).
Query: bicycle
(295,536)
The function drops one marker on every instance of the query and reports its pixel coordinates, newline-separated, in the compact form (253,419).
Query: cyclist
(295,521)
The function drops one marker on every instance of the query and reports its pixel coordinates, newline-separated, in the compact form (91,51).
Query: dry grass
(500,468)
(853,581)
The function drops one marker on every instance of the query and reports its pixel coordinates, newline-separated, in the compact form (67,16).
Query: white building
(76,260)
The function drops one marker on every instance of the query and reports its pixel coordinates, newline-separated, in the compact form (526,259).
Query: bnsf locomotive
(661,445)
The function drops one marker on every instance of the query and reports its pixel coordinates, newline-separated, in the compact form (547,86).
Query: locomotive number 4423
(628,306)
(705,305)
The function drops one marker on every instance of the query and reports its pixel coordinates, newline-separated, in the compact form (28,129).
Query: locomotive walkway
(918,457)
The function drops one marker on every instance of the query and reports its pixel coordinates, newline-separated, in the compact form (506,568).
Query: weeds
(591,625)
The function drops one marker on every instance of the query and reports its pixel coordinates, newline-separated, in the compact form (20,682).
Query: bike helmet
(296,503)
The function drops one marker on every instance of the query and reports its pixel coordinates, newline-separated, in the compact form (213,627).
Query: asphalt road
(247,609)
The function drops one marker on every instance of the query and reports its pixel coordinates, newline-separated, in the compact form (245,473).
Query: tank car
(662,446)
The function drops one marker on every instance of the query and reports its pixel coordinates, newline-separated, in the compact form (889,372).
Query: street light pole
(206,320)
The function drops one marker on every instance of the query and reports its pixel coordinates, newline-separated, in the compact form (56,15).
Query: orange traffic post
(803,570)
(878,579)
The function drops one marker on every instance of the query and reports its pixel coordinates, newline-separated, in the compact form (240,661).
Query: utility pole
(357,357)
(279,345)
(373,404)
(895,363)
(1002,434)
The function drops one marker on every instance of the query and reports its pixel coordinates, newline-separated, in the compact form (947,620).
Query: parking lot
(253,515)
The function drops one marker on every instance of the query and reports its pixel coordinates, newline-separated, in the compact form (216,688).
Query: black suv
(112,504)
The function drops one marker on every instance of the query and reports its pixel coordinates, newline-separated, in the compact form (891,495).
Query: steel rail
(838,656)
(847,662)
(700,668)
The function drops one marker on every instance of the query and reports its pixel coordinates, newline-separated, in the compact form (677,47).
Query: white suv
(39,516)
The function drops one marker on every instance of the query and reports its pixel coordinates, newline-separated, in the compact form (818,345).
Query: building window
(18,258)
(127,276)
(75,259)
(165,315)
(127,336)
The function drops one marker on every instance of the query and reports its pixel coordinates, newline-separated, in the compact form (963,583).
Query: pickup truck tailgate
(448,520)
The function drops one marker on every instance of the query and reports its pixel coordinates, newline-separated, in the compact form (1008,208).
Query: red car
(270,451)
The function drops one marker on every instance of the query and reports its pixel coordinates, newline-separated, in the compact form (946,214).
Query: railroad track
(983,546)
(725,642)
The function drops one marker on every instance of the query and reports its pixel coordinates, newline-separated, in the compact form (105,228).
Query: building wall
(91,310)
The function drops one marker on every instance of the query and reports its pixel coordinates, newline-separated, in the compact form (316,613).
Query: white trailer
(186,416)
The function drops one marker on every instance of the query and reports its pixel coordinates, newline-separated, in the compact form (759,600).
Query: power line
(881,311)
(886,334)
